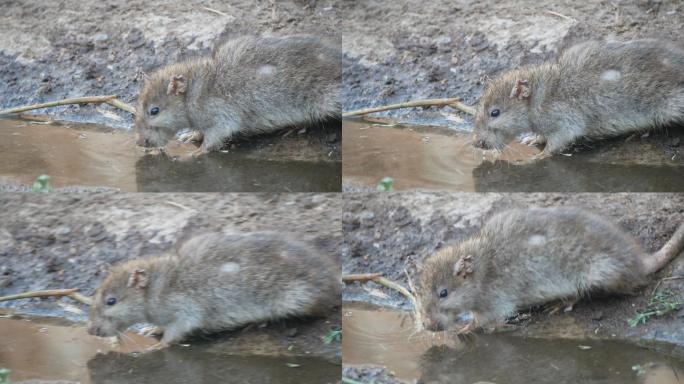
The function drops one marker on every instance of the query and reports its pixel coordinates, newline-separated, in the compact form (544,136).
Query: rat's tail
(668,252)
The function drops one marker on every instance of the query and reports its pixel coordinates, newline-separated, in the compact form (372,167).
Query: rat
(527,257)
(216,281)
(594,90)
(249,86)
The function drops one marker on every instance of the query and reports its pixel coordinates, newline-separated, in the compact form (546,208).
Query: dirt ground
(50,241)
(411,49)
(56,50)
(390,232)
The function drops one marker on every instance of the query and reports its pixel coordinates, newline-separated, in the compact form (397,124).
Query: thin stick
(71,293)
(377,278)
(561,16)
(111,100)
(216,12)
(362,277)
(453,103)
(417,318)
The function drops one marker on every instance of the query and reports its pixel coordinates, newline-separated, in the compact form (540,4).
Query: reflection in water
(180,365)
(94,156)
(235,172)
(430,158)
(568,174)
(52,350)
(385,337)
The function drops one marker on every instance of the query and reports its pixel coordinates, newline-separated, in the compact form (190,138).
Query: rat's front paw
(532,139)
(190,136)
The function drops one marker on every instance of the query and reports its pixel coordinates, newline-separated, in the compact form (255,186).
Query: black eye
(494,113)
(154,110)
(443,293)
(111,301)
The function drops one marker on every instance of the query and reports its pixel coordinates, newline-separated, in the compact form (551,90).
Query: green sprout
(42,184)
(661,303)
(386,184)
(4,376)
(335,335)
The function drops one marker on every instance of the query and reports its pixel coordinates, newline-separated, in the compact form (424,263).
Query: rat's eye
(494,113)
(443,293)
(111,301)
(154,111)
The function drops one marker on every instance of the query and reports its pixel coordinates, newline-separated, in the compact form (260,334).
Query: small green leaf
(386,184)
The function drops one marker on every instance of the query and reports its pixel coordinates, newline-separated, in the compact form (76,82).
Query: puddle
(48,349)
(384,337)
(86,155)
(431,158)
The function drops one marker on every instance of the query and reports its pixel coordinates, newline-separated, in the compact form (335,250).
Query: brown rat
(593,90)
(526,257)
(250,85)
(216,281)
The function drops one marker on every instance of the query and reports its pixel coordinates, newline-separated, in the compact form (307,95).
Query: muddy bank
(69,241)
(409,49)
(388,232)
(56,50)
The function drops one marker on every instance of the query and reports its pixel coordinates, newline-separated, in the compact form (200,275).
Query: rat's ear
(521,90)
(177,86)
(464,266)
(138,279)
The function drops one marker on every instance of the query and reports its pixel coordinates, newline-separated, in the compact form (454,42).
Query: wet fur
(570,100)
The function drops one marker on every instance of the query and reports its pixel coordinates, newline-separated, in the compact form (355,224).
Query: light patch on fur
(266,70)
(536,240)
(611,75)
(230,267)
(667,62)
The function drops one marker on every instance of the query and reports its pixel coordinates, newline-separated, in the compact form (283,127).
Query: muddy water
(382,337)
(430,158)
(79,155)
(54,350)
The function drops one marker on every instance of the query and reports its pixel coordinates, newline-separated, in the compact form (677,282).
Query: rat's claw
(191,136)
(152,331)
(532,139)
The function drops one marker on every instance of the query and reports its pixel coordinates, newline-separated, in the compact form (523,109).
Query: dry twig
(71,293)
(453,103)
(111,100)
(379,279)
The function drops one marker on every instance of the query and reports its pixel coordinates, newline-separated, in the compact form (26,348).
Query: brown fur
(593,90)
(215,282)
(250,85)
(525,257)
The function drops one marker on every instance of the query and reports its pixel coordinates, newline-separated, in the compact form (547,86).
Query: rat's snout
(95,329)
(433,325)
(481,143)
(143,142)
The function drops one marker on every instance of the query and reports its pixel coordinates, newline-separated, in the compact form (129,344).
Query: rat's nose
(94,330)
(433,325)
(142,142)
(480,143)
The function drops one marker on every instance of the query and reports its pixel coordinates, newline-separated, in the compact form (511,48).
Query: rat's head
(447,292)
(503,112)
(118,302)
(161,110)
